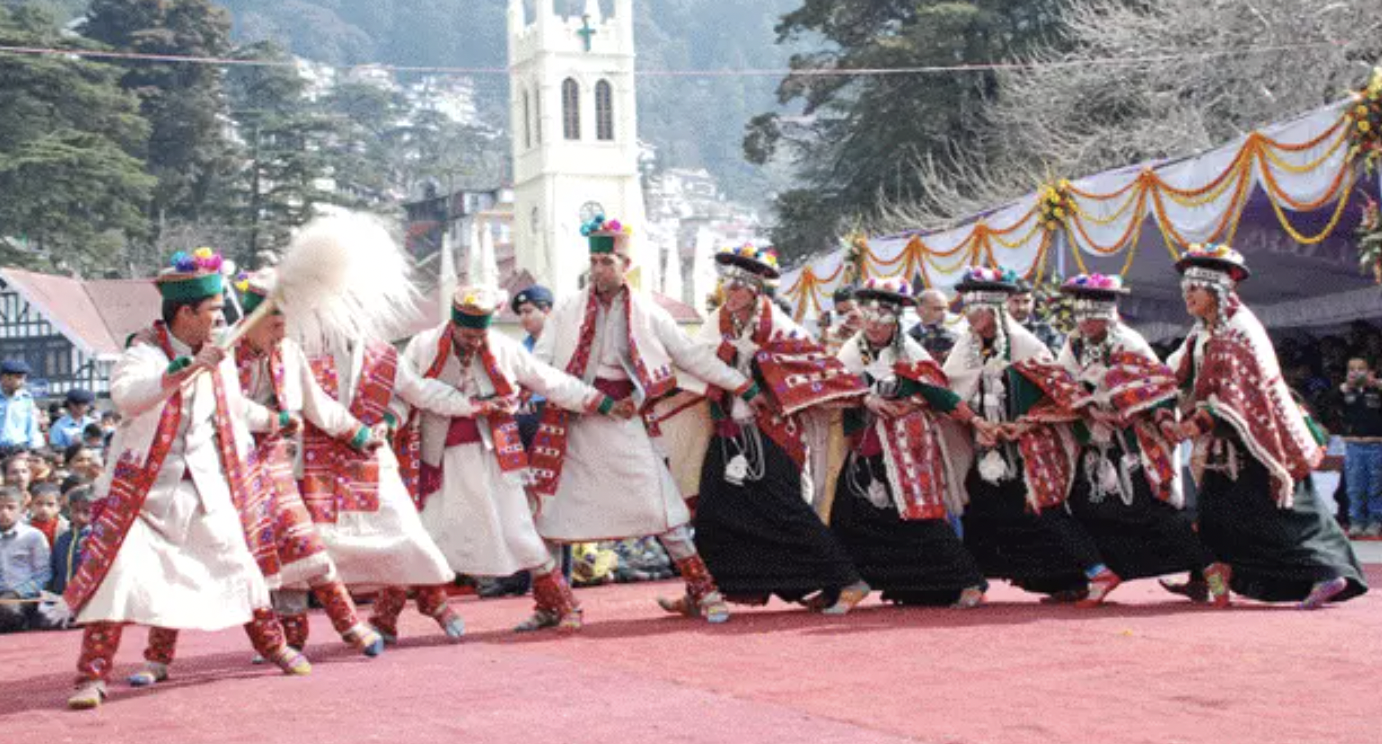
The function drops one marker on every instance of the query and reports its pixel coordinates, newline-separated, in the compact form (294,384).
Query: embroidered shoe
(1323,592)
(369,641)
(89,695)
(1216,579)
(291,661)
(850,597)
(571,621)
(541,619)
(387,629)
(1100,586)
(152,673)
(970,597)
(713,608)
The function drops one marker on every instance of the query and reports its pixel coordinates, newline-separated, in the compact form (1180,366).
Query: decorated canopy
(1289,197)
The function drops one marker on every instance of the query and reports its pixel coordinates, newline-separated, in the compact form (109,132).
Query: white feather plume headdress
(343,279)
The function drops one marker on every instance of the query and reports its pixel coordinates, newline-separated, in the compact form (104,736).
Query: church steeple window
(571,109)
(604,111)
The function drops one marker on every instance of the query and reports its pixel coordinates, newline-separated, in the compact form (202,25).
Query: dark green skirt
(1277,555)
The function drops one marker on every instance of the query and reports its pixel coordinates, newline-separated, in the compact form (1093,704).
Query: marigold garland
(1056,204)
(1365,122)
(1369,234)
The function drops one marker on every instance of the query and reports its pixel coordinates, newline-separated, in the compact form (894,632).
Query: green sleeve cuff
(945,401)
(283,419)
(751,393)
(390,420)
(179,364)
(1024,393)
(606,406)
(361,438)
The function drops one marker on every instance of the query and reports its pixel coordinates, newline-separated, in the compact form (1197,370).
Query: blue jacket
(19,421)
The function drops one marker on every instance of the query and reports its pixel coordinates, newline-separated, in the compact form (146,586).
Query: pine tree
(70,140)
(857,138)
(182,101)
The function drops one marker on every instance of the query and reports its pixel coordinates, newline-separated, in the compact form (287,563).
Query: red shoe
(1099,587)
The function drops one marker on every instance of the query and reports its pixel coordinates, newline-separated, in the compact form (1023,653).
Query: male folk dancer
(1254,449)
(1127,490)
(1020,469)
(359,500)
(474,466)
(273,373)
(758,535)
(182,540)
(891,499)
(362,503)
(600,478)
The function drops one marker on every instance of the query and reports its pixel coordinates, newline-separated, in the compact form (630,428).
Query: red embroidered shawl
(912,450)
(508,445)
(796,373)
(1239,383)
(336,477)
(294,536)
(1048,457)
(132,479)
(1135,384)
(549,445)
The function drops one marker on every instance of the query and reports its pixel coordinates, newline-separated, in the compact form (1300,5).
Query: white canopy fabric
(1288,197)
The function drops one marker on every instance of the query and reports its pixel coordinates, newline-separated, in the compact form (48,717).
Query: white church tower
(575,137)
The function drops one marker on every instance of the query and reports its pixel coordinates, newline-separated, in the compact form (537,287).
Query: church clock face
(590,210)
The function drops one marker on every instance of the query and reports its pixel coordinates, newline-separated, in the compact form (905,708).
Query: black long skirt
(1147,537)
(911,561)
(761,538)
(1046,553)
(1277,555)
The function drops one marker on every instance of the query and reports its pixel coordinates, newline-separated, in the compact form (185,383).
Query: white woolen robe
(480,518)
(184,563)
(302,395)
(614,480)
(388,547)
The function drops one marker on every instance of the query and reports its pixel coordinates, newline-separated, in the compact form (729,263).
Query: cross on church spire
(585,31)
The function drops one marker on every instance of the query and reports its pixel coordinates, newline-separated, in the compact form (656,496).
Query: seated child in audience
(67,551)
(24,564)
(45,511)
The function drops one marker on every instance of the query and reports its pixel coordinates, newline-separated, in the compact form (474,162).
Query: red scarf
(508,445)
(1135,385)
(294,537)
(132,480)
(912,450)
(336,477)
(796,372)
(549,445)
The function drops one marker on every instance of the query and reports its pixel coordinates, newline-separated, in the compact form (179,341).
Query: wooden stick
(238,332)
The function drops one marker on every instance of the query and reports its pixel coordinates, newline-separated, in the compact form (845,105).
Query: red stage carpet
(1149,668)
